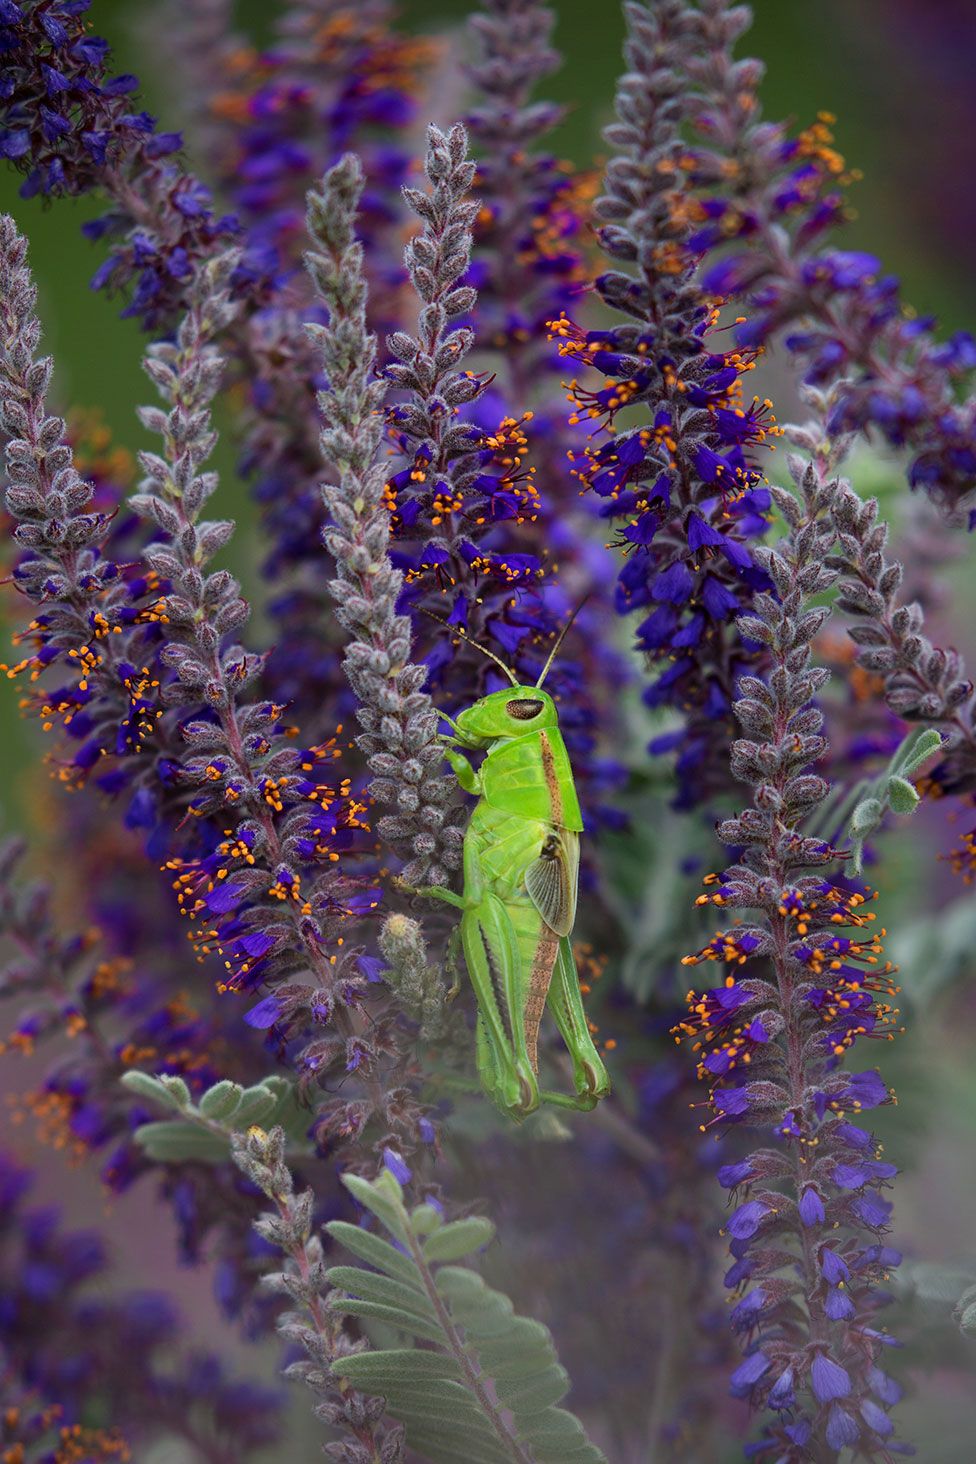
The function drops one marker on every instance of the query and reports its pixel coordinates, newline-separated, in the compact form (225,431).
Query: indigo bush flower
(438,459)
(529,267)
(400,738)
(335,77)
(686,484)
(461,500)
(88,606)
(81,1353)
(805,984)
(264,891)
(763,204)
(116,999)
(528,262)
(71,128)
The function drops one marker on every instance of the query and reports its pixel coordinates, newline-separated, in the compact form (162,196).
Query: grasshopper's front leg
(590,1077)
(469,780)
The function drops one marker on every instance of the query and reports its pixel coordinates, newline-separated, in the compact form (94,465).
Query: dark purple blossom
(800,993)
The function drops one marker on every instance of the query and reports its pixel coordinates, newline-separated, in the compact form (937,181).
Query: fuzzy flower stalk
(312,1325)
(259,874)
(805,984)
(399,720)
(683,485)
(763,207)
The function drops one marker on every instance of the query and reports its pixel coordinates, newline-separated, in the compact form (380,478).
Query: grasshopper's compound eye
(525,709)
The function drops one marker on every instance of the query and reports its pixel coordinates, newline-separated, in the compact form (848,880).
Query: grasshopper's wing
(551,881)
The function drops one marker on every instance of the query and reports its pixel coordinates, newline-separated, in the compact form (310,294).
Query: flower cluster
(88,654)
(528,263)
(805,984)
(762,205)
(72,1351)
(529,266)
(400,738)
(258,876)
(335,76)
(686,484)
(70,127)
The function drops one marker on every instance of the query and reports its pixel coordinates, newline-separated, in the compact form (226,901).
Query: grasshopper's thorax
(527,772)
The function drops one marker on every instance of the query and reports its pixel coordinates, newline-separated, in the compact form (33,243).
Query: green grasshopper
(518,908)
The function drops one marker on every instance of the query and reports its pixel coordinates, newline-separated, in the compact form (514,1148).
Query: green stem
(473,1378)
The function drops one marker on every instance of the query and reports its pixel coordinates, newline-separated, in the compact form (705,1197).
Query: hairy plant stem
(472,1377)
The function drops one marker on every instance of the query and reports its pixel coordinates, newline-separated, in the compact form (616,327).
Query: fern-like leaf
(472,1382)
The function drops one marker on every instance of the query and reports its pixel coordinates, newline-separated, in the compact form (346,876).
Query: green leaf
(531,1395)
(425,1219)
(902,795)
(171,1142)
(255,1105)
(863,808)
(485,1389)
(378,1371)
(916,749)
(146,1086)
(371,1286)
(393,1317)
(221,1101)
(384,1197)
(179,1093)
(441,1397)
(459,1239)
(556,1433)
(372,1248)
(452,1444)
(867,815)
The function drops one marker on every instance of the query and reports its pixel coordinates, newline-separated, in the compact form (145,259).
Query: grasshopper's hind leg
(590,1077)
(491,956)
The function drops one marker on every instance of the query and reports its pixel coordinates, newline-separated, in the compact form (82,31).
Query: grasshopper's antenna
(561,637)
(463,635)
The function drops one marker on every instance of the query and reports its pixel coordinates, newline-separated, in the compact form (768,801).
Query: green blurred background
(898,78)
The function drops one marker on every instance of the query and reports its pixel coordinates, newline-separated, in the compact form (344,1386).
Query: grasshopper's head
(511,712)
